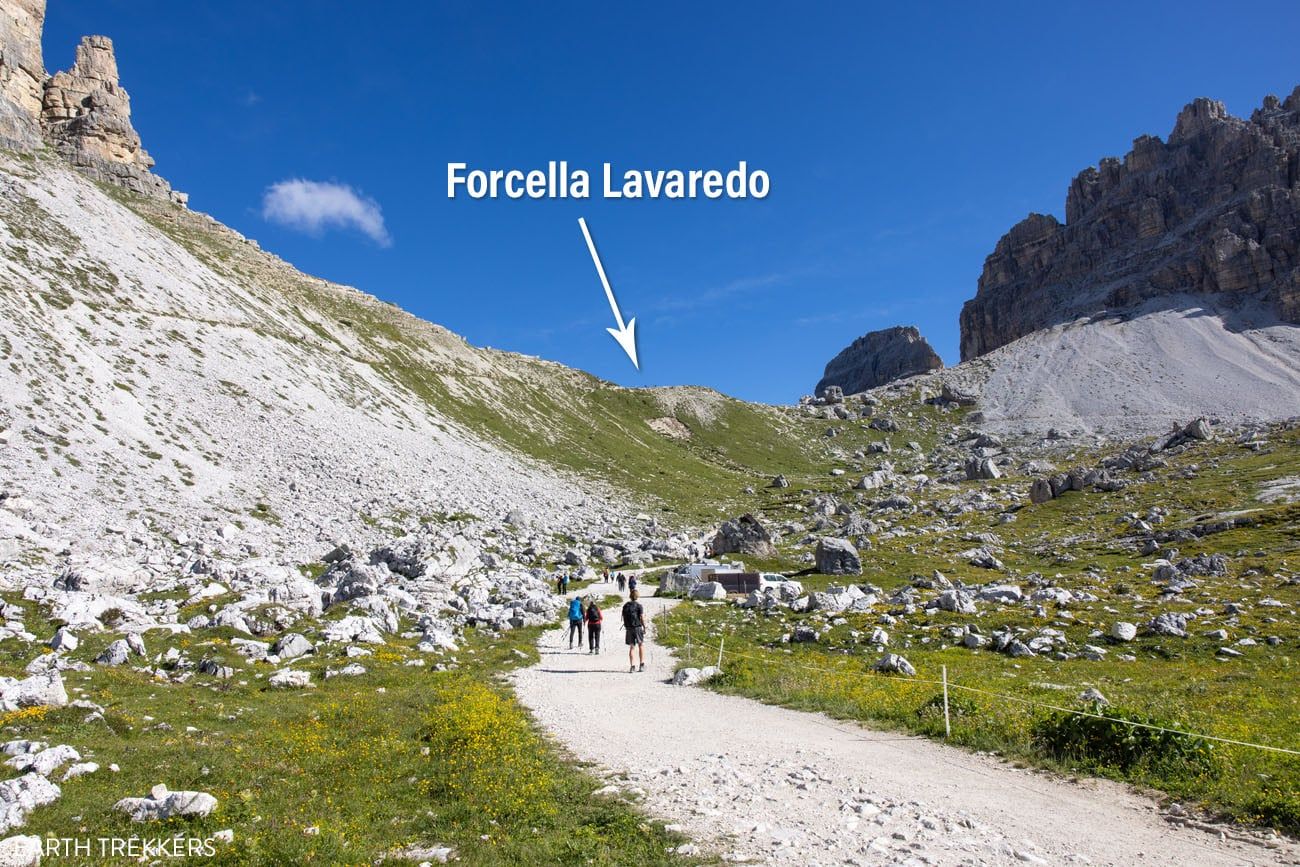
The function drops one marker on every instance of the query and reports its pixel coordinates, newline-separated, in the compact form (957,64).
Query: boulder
(1040,491)
(893,663)
(22,850)
(291,646)
(693,676)
(1169,623)
(44,762)
(743,535)
(20,795)
(709,590)
(117,653)
(959,396)
(64,639)
(956,601)
(837,557)
(39,690)
(803,635)
(288,678)
(1003,594)
(163,804)
(1121,631)
(981,468)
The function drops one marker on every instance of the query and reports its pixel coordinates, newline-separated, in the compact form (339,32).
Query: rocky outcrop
(22,73)
(879,357)
(743,535)
(86,115)
(1213,210)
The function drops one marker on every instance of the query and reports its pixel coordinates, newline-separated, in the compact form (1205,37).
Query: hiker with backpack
(634,625)
(575,620)
(631,584)
(594,619)
(622,582)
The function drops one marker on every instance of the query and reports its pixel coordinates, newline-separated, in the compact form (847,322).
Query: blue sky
(902,140)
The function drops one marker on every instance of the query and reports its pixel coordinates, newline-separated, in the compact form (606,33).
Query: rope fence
(946,684)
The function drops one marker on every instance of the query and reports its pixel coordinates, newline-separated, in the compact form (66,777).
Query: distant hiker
(622,582)
(634,625)
(559,583)
(631,583)
(594,619)
(604,574)
(575,620)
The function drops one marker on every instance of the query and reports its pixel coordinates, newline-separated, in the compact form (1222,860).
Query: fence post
(721,641)
(947,723)
(688,643)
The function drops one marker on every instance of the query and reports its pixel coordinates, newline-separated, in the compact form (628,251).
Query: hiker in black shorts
(634,626)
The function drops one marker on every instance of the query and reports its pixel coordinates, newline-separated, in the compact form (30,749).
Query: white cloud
(314,206)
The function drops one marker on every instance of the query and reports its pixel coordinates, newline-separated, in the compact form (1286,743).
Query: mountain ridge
(1213,210)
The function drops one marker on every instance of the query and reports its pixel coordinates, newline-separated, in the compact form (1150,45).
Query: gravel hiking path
(753,782)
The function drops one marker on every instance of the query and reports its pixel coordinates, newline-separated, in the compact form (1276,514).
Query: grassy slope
(561,417)
(1184,681)
(343,773)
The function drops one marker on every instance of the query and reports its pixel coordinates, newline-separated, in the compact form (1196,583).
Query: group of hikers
(623,582)
(590,617)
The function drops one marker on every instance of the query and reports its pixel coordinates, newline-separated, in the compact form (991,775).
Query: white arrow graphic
(624,334)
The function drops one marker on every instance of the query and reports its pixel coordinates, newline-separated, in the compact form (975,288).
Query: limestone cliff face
(1213,210)
(879,357)
(22,72)
(84,113)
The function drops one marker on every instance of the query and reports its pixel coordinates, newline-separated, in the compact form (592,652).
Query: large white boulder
(35,691)
(162,804)
(709,590)
(289,678)
(21,795)
(23,850)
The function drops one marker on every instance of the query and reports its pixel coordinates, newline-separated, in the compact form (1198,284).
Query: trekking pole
(947,723)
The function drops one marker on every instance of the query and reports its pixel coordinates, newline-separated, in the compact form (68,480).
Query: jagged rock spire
(84,113)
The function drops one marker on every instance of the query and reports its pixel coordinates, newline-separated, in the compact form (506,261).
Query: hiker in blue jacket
(576,615)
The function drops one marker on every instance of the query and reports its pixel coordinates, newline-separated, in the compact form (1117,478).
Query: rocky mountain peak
(879,357)
(1214,210)
(84,113)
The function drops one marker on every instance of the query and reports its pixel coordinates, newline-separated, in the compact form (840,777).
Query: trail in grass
(755,782)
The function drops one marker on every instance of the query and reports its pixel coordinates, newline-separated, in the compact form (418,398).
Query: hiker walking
(622,582)
(594,619)
(631,584)
(575,620)
(559,583)
(634,625)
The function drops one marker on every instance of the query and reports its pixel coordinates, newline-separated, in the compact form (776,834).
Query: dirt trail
(753,782)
